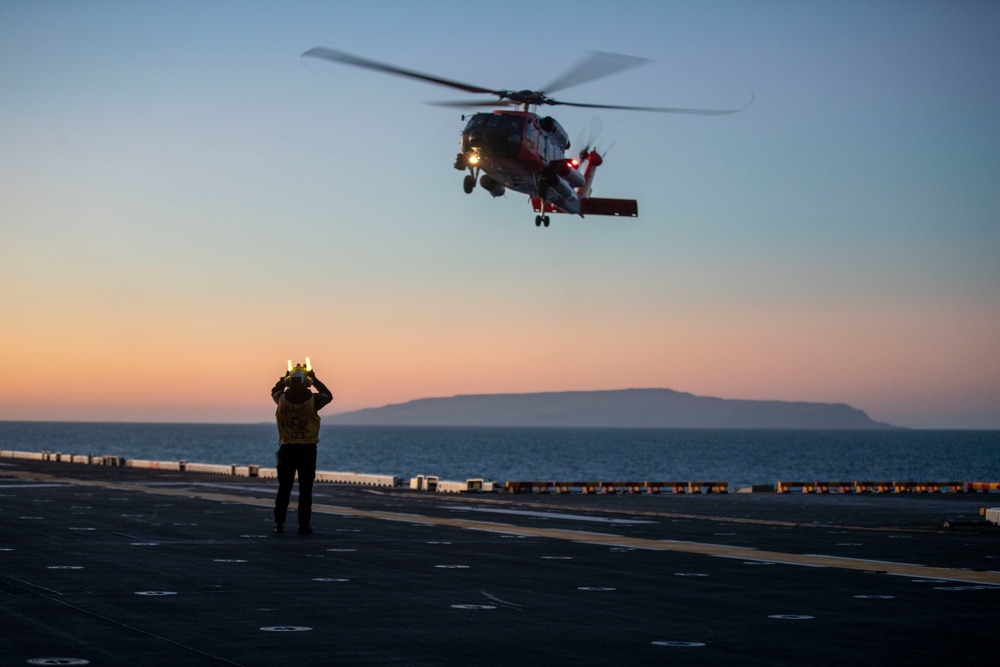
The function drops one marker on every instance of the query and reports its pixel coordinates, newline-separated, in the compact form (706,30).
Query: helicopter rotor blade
(677,110)
(462,104)
(348,59)
(597,65)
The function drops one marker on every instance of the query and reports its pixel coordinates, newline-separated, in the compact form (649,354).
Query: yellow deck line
(701,548)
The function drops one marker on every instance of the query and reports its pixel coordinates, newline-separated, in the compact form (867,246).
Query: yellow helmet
(301,372)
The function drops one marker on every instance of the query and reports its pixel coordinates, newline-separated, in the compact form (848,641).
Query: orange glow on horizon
(183,371)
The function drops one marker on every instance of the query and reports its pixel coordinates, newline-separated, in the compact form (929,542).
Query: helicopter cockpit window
(504,122)
(496,135)
(479,120)
(495,122)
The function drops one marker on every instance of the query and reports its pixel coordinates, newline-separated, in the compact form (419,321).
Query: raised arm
(278,389)
(323,396)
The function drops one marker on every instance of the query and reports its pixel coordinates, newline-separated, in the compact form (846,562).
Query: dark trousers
(293,459)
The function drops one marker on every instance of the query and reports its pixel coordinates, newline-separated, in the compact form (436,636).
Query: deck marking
(870,560)
(472,606)
(25,486)
(679,644)
(499,601)
(603,539)
(546,515)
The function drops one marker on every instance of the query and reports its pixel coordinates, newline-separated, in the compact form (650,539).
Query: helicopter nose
(477,139)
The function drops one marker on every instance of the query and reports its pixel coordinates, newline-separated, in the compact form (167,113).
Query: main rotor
(597,65)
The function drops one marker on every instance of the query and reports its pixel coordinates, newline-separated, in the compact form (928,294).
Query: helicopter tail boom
(626,208)
(581,202)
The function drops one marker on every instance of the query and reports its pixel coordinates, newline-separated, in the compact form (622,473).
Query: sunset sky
(185,203)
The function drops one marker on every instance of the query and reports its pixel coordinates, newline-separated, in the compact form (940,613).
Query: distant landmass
(623,408)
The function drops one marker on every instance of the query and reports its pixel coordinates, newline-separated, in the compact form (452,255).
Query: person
(298,434)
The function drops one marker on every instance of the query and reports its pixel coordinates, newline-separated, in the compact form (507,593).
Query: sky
(186,203)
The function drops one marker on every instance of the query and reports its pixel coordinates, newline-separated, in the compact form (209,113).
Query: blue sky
(183,196)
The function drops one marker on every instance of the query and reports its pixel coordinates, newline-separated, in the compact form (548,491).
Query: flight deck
(123,566)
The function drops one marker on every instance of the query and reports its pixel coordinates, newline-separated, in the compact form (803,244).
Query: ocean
(740,457)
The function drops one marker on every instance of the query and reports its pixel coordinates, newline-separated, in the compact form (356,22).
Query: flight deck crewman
(298,434)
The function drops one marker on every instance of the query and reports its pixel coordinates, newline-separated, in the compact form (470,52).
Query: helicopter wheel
(538,221)
(469,184)
(545,220)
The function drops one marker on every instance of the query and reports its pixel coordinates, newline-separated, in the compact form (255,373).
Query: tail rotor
(588,137)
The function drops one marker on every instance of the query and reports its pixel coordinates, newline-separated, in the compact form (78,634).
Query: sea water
(739,457)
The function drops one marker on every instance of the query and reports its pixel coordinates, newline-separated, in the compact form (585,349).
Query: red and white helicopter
(525,152)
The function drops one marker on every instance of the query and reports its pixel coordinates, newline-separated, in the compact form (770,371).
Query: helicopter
(520,150)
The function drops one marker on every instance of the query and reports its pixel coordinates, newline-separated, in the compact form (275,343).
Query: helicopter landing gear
(541,220)
(469,184)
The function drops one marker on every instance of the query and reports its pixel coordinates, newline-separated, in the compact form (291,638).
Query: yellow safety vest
(298,423)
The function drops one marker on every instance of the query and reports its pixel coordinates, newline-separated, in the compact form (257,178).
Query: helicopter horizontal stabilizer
(627,208)
(624,208)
